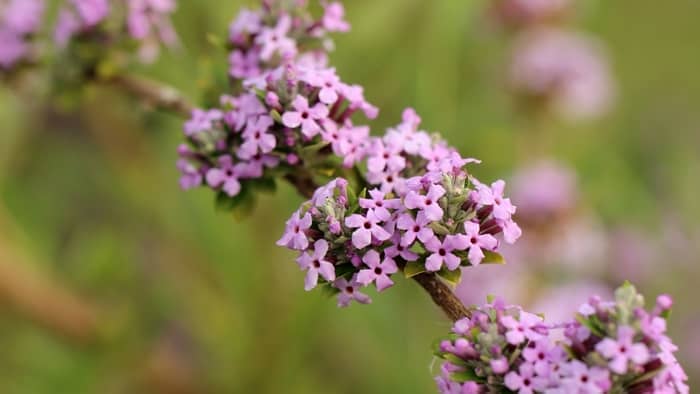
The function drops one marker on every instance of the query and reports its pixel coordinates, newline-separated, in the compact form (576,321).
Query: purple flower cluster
(19,21)
(261,39)
(442,221)
(290,116)
(611,347)
(147,22)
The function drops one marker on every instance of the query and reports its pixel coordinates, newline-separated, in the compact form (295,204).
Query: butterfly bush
(611,347)
(20,20)
(443,219)
(294,115)
(147,22)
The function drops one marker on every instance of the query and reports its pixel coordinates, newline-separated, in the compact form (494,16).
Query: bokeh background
(112,280)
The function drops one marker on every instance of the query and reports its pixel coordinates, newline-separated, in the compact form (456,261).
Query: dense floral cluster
(612,347)
(445,219)
(260,39)
(19,21)
(147,22)
(292,115)
(297,113)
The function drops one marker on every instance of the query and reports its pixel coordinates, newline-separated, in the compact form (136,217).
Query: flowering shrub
(611,347)
(444,219)
(294,115)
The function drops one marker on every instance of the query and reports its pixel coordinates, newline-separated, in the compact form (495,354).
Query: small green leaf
(264,185)
(464,376)
(493,258)
(413,268)
(452,277)
(276,116)
(328,290)
(241,205)
(417,248)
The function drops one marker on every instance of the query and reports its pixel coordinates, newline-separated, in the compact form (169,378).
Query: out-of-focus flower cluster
(611,347)
(261,39)
(147,22)
(20,20)
(552,65)
(442,219)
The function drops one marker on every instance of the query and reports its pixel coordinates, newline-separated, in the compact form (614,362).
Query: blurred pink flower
(558,304)
(568,70)
(543,190)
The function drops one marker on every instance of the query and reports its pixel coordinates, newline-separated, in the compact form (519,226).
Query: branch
(153,93)
(168,98)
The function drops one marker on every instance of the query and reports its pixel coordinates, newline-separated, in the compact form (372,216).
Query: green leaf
(493,258)
(328,290)
(413,268)
(464,376)
(452,277)
(591,325)
(241,205)
(264,185)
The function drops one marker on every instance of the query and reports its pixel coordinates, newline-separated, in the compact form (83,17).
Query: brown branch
(165,97)
(442,296)
(153,93)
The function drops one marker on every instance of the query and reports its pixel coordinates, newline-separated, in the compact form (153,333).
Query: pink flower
(294,236)
(525,381)
(428,203)
(378,271)
(257,139)
(579,379)
(314,264)
(334,18)
(622,351)
(367,227)
(244,64)
(327,81)
(225,175)
(385,158)
(477,242)
(414,228)
(275,39)
(442,253)
(398,250)
(379,205)
(349,292)
(502,208)
(305,117)
(522,329)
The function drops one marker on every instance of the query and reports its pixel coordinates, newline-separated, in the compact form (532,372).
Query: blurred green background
(118,282)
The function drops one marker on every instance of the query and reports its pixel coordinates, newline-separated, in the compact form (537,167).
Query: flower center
(305,115)
(378,271)
(317,264)
(428,202)
(442,252)
(350,289)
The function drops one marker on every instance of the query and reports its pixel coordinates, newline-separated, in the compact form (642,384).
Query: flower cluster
(147,22)
(293,115)
(612,347)
(566,70)
(444,220)
(19,21)
(260,39)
